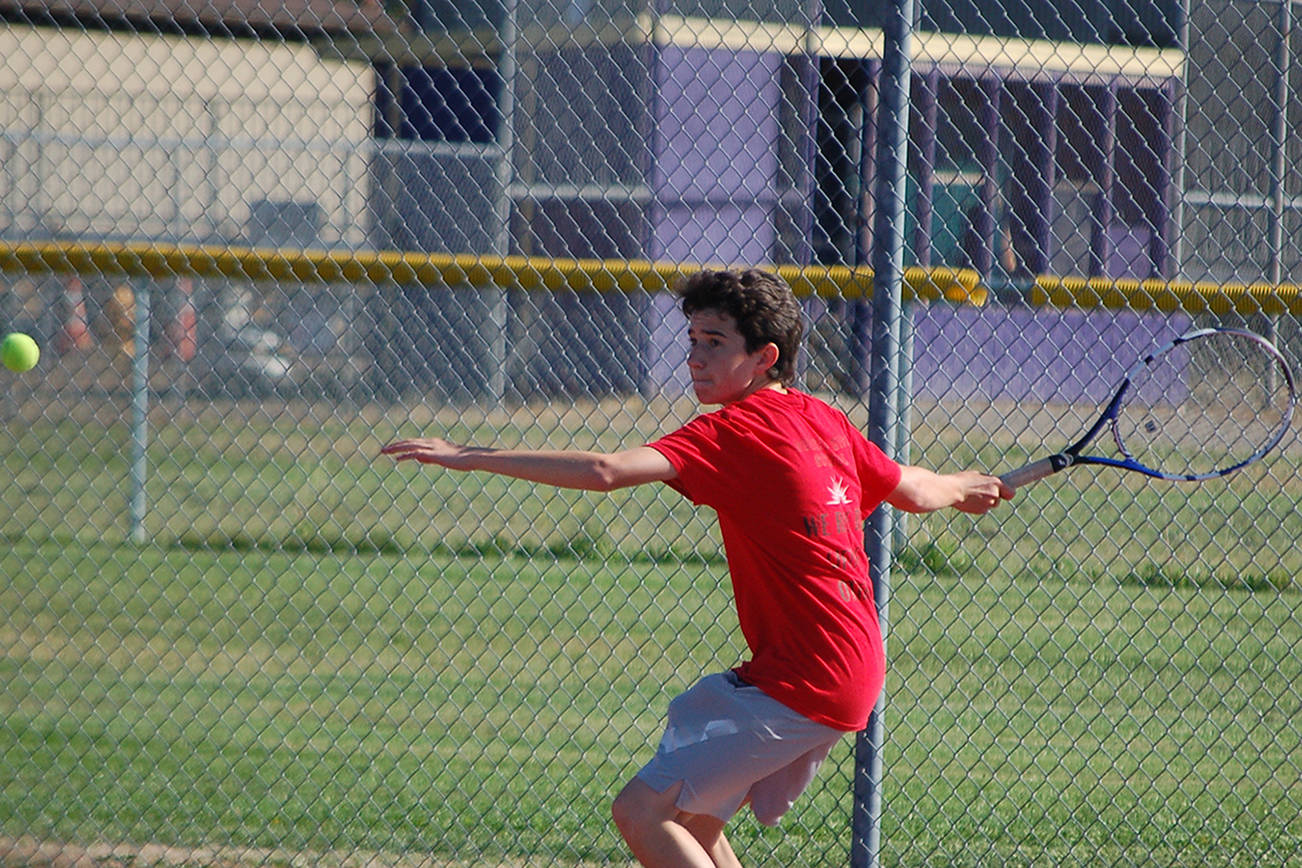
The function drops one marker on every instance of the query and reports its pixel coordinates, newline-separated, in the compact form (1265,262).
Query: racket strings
(1205,405)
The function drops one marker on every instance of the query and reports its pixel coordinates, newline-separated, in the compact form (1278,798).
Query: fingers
(425,450)
(985,494)
(399,449)
(994,489)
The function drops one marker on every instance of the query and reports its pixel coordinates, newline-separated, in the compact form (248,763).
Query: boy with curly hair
(792,481)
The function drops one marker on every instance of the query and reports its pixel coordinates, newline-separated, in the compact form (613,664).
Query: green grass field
(322,653)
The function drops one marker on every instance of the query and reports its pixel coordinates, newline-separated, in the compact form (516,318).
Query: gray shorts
(728,741)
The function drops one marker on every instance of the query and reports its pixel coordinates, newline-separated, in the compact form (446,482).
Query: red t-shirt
(792,481)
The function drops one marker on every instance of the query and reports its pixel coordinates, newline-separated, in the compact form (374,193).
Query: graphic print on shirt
(838,525)
(838,493)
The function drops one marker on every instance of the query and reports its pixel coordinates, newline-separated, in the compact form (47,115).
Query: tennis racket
(1206,404)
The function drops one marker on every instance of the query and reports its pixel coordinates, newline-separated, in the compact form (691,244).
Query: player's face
(721,368)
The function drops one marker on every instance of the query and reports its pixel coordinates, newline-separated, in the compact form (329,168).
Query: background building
(1044,141)
(617,129)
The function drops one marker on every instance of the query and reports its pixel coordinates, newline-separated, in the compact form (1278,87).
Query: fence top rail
(956,285)
(1166,295)
(390,267)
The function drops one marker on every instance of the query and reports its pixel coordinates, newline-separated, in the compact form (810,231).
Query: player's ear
(768,356)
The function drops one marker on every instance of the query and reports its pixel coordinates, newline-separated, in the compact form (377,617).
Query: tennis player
(792,481)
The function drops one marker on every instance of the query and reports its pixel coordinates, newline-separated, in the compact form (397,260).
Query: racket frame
(1071,456)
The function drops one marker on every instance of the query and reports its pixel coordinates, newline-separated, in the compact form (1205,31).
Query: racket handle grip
(1034,471)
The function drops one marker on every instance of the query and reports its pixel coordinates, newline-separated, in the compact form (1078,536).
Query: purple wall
(713,177)
(992,353)
(1023,353)
(715,160)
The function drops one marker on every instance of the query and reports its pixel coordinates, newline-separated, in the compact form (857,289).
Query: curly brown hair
(763,305)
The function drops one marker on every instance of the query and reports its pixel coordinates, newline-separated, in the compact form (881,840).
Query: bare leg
(661,836)
(708,832)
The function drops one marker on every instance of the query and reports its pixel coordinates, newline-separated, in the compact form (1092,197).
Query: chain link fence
(257,241)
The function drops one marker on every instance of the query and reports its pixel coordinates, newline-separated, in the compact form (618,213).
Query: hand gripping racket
(1204,405)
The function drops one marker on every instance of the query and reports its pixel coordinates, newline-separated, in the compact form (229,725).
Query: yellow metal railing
(519,272)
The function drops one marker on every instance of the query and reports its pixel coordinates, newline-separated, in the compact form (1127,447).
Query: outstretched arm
(593,471)
(922,490)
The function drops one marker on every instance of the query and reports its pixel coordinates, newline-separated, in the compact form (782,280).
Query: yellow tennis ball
(19,352)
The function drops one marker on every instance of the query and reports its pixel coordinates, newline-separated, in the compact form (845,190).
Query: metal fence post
(499,315)
(140,410)
(888,275)
(1279,131)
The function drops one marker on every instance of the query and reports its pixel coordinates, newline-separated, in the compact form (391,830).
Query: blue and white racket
(1206,404)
